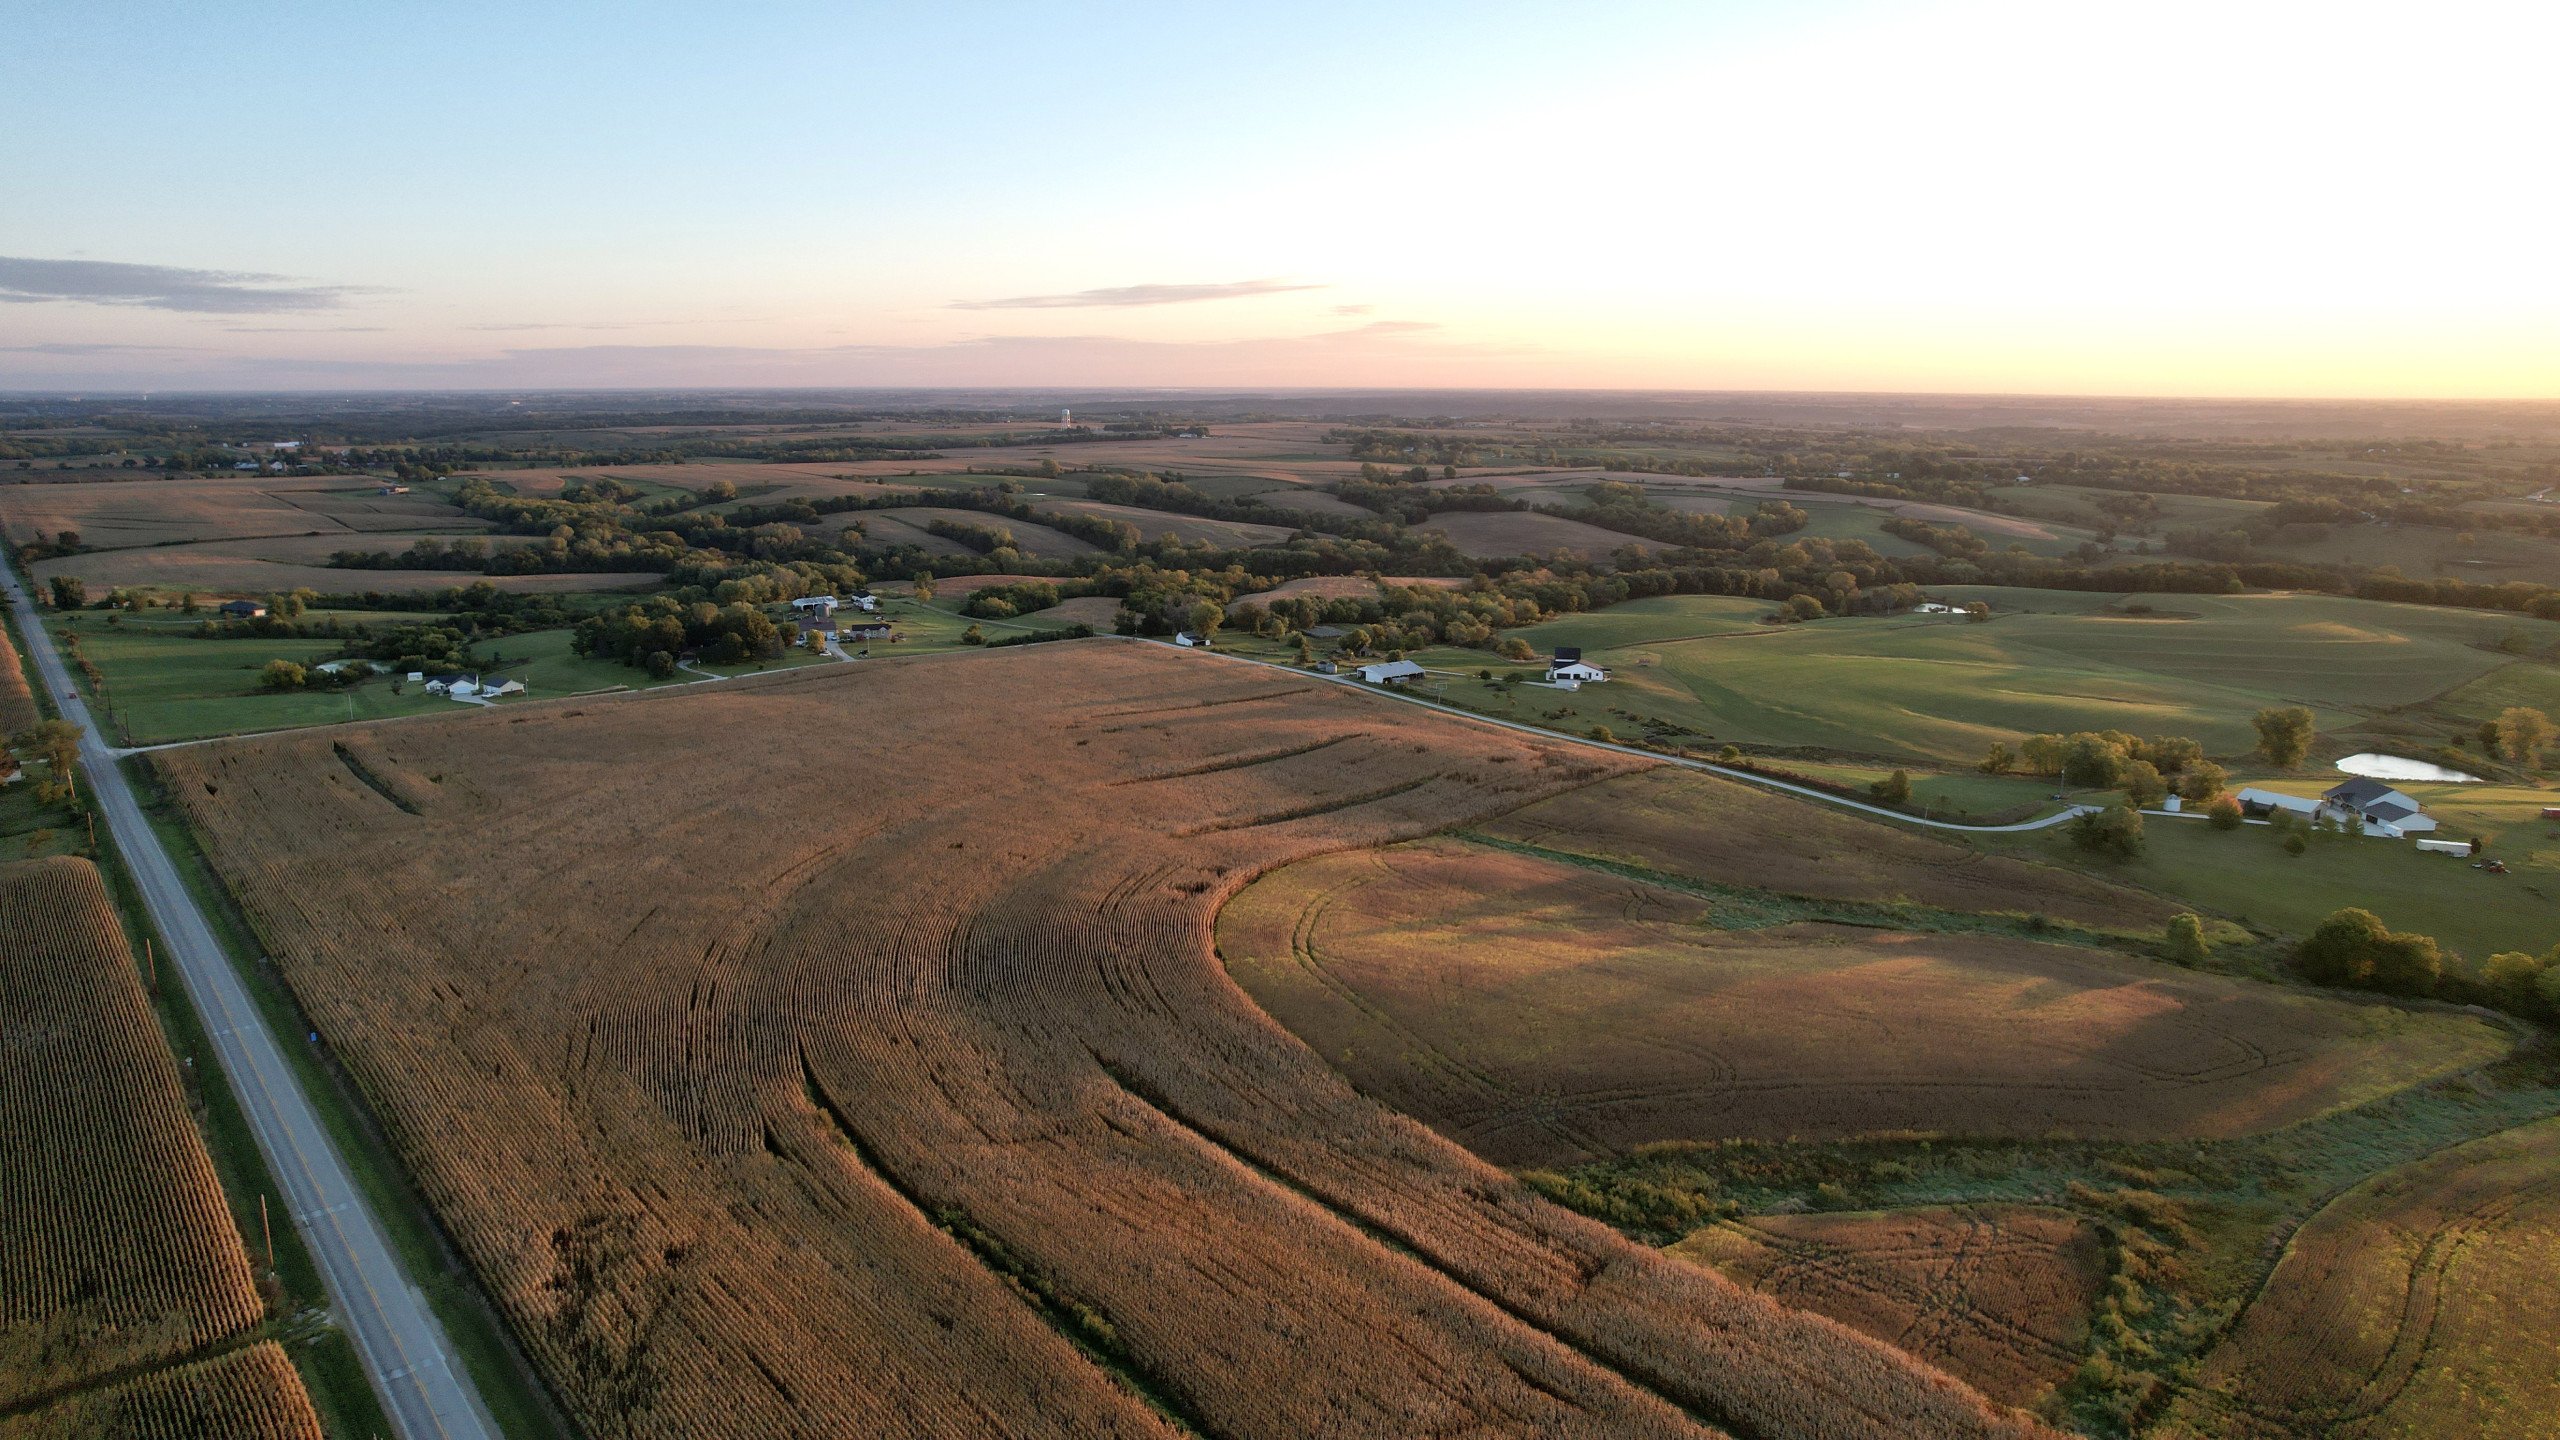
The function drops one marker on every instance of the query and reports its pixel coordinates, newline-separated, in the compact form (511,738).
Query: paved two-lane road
(400,1341)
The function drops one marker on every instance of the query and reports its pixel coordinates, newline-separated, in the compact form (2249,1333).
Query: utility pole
(150,965)
(267,1230)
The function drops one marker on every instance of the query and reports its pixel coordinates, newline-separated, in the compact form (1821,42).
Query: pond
(2400,767)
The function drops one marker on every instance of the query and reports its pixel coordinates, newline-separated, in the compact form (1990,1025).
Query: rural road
(2068,812)
(401,1343)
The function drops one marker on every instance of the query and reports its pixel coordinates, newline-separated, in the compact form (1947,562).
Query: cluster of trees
(653,634)
(2146,769)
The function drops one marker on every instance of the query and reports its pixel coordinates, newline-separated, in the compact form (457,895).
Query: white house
(818,605)
(503,687)
(1389,672)
(2385,811)
(1576,671)
(868,605)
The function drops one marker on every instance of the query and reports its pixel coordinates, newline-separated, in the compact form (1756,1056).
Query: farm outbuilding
(818,605)
(2383,810)
(243,610)
(1391,672)
(2255,801)
(2444,847)
(1576,671)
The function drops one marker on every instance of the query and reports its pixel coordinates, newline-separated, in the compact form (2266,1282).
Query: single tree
(68,592)
(2202,781)
(2185,941)
(2143,785)
(1999,759)
(283,675)
(1894,789)
(2285,734)
(974,635)
(2523,734)
(2114,832)
(2224,813)
(924,587)
(660,664)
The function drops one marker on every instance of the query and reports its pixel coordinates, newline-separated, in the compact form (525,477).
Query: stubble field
(911,1098)
(1998,1294)
(1545,1013)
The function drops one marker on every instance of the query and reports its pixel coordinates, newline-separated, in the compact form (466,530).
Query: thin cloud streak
(1122,296)
(25,280)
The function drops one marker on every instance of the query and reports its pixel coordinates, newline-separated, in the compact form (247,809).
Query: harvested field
(1306,501)
(115,514)
(17,698)
(1151,523)
(1699,827)
(949,588)
(1097,611)
(116,1246)
(1549,1014)
(253,566)
(246,1394)
(935,1114)
(906,526)
(238,567)
(2421,1303)
(1998,1295)
(1338,587)
(1487,535)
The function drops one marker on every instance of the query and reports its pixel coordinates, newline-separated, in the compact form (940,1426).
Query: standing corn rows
(116,1246)
(247,1394)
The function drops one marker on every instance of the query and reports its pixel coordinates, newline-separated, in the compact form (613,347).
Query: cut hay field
(1492,534)
(2419,1304)
(1546,1014)
(115,514)
(932,1112)
(117,1251)
(1997,1294)
(1192,529)
(1097,611)
(1940,690)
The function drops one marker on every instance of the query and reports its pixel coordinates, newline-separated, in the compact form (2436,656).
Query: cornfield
(116,1246)
(17,701)
(846,1053)
(246,1394)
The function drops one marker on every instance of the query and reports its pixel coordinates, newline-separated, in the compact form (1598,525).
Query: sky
(2239,198)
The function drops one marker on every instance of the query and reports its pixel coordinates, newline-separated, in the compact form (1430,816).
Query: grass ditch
(507,1382)
(2192,1228)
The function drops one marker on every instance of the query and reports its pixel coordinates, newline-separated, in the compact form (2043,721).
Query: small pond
(2401,767)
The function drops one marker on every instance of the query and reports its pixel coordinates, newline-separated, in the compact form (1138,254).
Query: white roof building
(1576,670)
(1390,671)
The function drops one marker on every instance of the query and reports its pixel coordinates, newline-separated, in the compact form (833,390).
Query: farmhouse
(868,605)
(1568,665)
(243,610)
(503,687)
(1391,672)
(864,630)
(2383,810)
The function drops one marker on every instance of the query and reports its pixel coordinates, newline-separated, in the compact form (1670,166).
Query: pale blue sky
(1964,194)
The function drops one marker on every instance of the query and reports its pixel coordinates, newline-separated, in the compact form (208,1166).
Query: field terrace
(916,1091)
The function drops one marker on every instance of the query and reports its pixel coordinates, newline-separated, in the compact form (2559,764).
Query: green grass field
(1933,690)
(164,685)
(2246,874)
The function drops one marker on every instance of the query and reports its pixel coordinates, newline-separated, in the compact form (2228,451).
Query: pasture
(1544,1013)
(2418,1304)
(934,1107)
(1997,1294)
(1939,690)
(117,1252)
